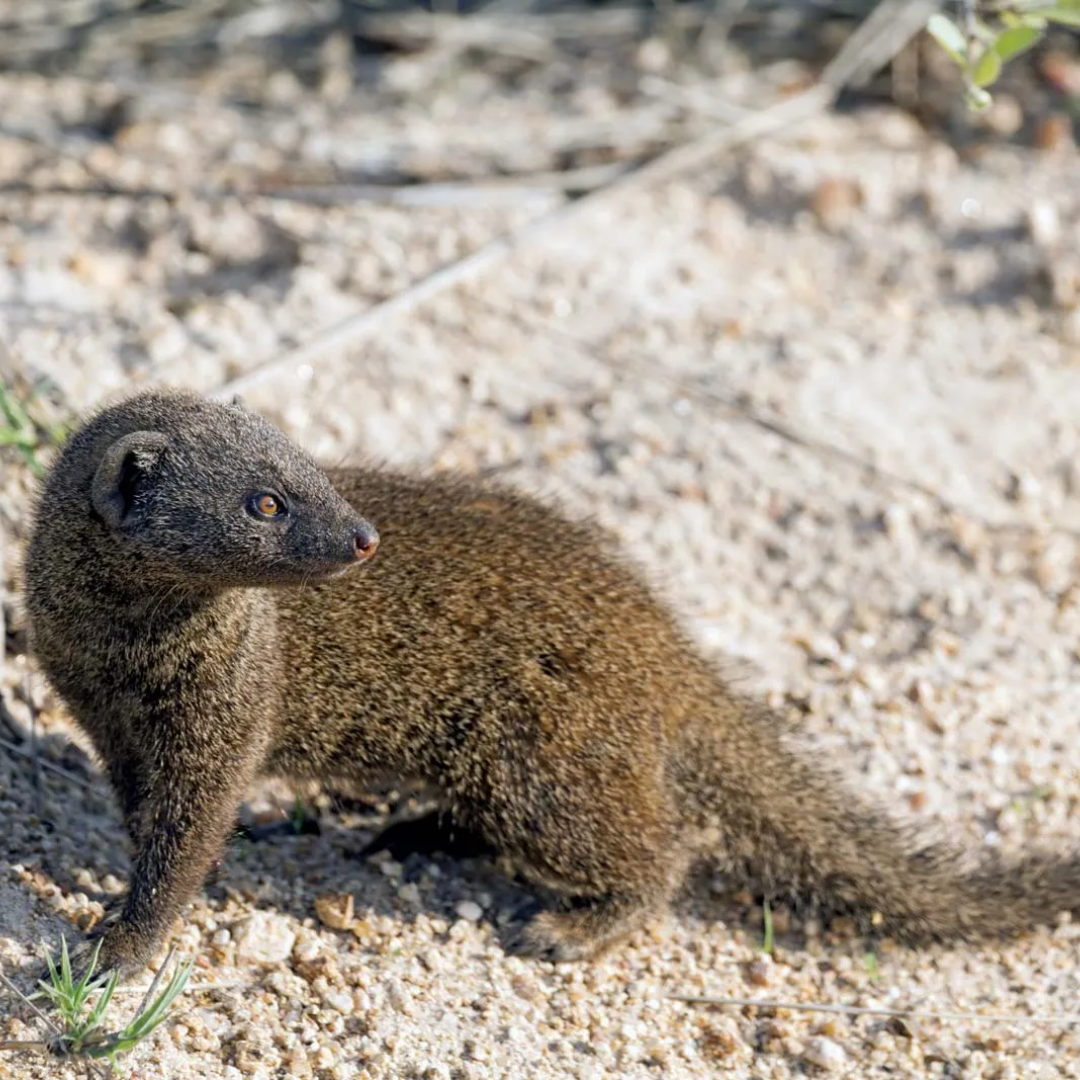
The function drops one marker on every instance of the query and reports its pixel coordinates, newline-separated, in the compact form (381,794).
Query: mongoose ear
(123,470)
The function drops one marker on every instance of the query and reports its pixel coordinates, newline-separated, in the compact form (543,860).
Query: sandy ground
(901,575)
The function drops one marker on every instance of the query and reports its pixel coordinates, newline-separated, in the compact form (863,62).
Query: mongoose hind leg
(598,829)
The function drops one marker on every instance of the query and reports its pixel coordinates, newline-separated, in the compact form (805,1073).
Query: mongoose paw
(556,936)
(582,927)
(119,952)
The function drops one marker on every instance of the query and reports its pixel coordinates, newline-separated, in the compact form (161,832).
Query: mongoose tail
(802,831)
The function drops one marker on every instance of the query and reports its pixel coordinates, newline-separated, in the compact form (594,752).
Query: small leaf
(949,36)
(1013,42)
(987,70)
(767,941)
(1066,12)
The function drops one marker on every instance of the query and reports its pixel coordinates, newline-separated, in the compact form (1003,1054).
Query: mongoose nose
(365,541)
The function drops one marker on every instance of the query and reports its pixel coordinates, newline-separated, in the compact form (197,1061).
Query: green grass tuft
(82,1033)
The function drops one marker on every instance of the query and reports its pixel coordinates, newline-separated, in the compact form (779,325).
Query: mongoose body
(503,654)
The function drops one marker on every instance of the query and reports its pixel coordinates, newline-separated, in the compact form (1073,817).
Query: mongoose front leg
(182,827)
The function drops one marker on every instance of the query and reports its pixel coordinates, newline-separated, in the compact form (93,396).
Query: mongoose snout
(365,541)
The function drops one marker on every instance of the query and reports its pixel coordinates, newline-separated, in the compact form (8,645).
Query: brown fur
(494,649)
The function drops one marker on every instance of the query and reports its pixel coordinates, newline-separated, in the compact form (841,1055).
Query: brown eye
(266,505)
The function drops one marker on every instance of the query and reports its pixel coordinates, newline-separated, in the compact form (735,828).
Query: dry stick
(516,187)
(12,988)
(889,27)
(44,763)
(151,990)
(866,1010)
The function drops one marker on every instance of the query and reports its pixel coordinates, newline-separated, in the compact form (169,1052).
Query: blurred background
(747,281)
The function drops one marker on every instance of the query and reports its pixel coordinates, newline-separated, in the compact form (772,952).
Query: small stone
(469,910)
(719,1040)
(917,801)
(1005,116)
(525,987)
(263,938)
(835,201)
(757,972)
(340,1000)
(824,1053)
(1044,224)
(87,919)
(335,910)
(409,893)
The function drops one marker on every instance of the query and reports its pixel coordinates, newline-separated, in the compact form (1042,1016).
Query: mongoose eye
(266,505)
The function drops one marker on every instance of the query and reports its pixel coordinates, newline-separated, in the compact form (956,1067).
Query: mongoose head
(205,493)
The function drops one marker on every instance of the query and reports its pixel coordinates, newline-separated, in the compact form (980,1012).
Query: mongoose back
(196,597)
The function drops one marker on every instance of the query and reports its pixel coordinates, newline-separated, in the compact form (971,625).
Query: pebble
(824,1053)
(757,972)
(835,201)
(469,910)
(263,938)
(409,893)
(1044,224)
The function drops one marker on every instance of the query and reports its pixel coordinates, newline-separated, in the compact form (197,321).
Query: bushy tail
(800,829)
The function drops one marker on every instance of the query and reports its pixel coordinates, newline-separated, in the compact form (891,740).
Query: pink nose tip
(365,541)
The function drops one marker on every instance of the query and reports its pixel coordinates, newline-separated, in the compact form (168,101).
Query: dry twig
(44,763)
(887,29)
(874,1010)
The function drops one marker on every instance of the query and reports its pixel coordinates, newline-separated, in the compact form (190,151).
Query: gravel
(899,571)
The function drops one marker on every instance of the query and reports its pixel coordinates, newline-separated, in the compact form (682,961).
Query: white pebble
(263,938)
(824,1053)
(470,910)
(339,1000)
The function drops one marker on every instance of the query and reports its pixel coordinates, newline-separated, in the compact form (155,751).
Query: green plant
(871,964)
(980,47)
(81,1034)
(22,430)
(298,816)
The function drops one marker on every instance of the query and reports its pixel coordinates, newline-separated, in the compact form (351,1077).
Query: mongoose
(204,598)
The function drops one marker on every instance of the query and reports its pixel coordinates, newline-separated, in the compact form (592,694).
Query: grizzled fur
(498,651)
